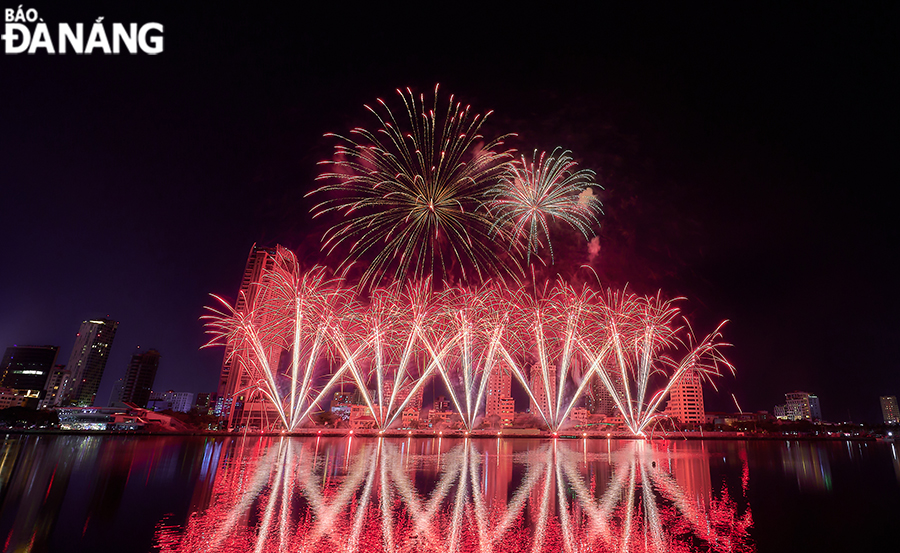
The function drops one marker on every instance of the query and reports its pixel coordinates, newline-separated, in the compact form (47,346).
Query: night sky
(748,158)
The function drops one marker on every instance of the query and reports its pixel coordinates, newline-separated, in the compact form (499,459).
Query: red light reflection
(294,497)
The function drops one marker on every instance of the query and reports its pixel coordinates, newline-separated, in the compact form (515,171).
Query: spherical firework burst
(412,193)
(531,195)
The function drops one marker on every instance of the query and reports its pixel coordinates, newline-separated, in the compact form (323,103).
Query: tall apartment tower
(233,378)
(600,400)
(88,360)
(139,378)
(27,368)
(55,387)
(889,409)
(686,400)
(499,395)
(539,390)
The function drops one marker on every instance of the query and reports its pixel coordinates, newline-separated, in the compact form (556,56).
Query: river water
(185,494)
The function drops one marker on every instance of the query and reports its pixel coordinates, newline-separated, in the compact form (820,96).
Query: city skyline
(744,173)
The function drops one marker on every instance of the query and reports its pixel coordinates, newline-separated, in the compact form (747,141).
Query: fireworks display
(412,194)
(447,223)
(391,345)
(532,195)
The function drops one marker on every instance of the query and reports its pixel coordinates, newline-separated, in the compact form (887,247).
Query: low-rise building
(12,398)
(799,406)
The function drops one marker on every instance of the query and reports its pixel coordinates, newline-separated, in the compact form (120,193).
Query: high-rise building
(889,409)
(56,386)
(413,407)
(499,400)
(599,399)
(26,369)
(115,395)
(88,360)
(799,406)
(539,389)
(415,398)
(234,378)
(686,399)
(139,378)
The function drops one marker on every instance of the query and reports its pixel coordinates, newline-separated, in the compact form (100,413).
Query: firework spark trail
(564,520)
(402,335)
(232,327)
(289,311)
(414,192)
(471,323)
(530,195)
(641,332)
(273,499)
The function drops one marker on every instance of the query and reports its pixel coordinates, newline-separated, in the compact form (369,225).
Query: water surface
(109,493)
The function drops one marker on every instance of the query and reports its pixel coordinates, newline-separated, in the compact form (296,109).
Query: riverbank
(528,433)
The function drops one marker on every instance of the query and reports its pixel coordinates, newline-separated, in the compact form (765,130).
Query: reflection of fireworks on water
(290,496)
(413,192)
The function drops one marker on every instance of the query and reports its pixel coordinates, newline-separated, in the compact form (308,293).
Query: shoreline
(512,433)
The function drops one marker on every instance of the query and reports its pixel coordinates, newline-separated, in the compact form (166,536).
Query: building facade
(599,400)
(88,360)
(57,383)
(138,383)
(499,401)
(686,399)
(234,378)
(889,410)
(541,401)
(12,398)
(27,369)
(180,402)
(799,406)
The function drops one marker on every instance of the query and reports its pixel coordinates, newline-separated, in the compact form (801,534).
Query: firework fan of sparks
(406,334)
(531,195)
(412,194)
(288,310)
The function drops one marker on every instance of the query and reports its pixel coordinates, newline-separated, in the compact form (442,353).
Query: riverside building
(88,360)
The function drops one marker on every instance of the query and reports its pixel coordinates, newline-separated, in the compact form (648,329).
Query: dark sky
(748,157)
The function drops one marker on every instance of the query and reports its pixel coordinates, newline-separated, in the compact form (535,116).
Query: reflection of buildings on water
(75,492)
(497,467)
(337,494)
(691,471)
(35,490)
(808,462)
